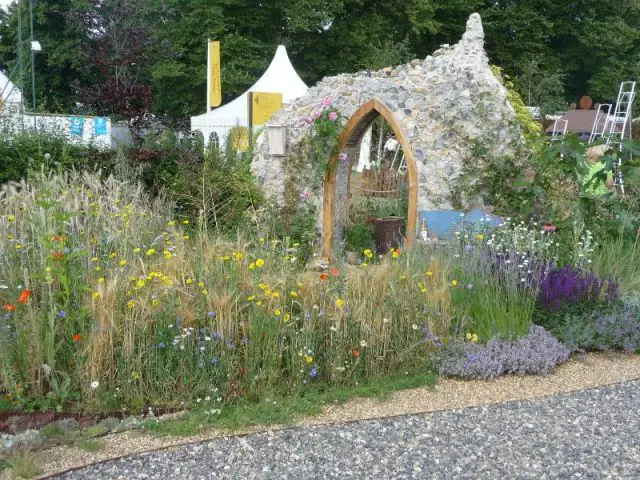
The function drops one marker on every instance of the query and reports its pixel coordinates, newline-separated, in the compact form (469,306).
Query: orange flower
(355,352)
(335,272)
(57,256)
(9,308)
(58,238)
(24,296)
(76,337)
(324,276)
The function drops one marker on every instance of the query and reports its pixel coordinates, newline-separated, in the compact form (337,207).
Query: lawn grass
(280,408)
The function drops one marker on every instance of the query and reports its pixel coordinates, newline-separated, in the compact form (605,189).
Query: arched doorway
(350,136)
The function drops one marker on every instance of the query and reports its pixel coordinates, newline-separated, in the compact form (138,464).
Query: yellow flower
(480,236)
(95,295)
(205,292)
(267,291)
(308,358)
(18,246)
(200,284)
(131,304)
(123,263)
(154,302)
(429,273)
(259,263)
(262,286)
(275,295)
(396,253)
(238,255)
(277,312)
(97,269)
(403,277)
(167,254)
(132,278)
(259,302)
(261,239)
(454,282)
(186,237)
(172,223)
(185,222)
(94,259)
(293,293)
(252,266)
(188,281)
(251,298)
(364,264)
(287,317)
(339,302)
(474,338)
(11,218)
(150,252)
(140,283)
(113,255)
(135,375)
(101,280)
(368,253)
(136,250)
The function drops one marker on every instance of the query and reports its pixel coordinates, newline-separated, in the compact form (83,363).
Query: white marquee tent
(280,77)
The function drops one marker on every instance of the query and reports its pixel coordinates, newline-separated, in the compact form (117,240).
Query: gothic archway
(350,136)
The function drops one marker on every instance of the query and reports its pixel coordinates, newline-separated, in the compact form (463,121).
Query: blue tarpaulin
(443,223)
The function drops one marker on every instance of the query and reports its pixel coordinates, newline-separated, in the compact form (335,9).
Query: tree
(118,56)
(59,65)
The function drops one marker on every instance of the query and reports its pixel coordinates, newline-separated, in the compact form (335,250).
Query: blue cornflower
(161,345)
(244,340)
(313,373)
(214,361)
(211,314)
(62,314)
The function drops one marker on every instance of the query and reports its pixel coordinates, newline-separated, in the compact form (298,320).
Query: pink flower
(317,114)
(343,156)
(549,228)
(326,101)
(308,120)
(333,116)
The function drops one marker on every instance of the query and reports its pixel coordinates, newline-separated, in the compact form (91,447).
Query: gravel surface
(589,434)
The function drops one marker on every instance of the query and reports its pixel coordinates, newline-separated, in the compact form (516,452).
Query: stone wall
(444,104)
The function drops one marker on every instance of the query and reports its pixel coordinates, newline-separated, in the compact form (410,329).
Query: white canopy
(280,77)
(10,93)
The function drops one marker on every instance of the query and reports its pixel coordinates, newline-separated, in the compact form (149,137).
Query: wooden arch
(350,136)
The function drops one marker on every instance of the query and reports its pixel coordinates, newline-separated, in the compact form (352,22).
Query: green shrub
(26,152)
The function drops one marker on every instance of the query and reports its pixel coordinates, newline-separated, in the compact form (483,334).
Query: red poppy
(57,256)
(324,276)
(335,272)
(355,352)
(9,308)
(25,295)
(76,337)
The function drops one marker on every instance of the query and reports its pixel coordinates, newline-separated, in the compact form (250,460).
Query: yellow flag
(214,90)
(263,106)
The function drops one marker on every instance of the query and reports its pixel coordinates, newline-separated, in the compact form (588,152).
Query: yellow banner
(239,139)
(263,106)
(215,87)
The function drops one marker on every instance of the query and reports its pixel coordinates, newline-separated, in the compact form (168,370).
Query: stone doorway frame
(351,135)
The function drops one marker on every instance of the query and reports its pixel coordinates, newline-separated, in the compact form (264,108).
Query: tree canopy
(556,51)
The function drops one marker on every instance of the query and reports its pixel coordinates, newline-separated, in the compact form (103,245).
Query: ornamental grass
(110,301)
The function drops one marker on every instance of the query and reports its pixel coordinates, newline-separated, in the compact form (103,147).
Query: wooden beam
(364,114)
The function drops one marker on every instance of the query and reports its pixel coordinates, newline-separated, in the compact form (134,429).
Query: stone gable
(444,104)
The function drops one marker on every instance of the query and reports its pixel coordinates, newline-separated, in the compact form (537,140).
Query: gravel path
(590,434)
